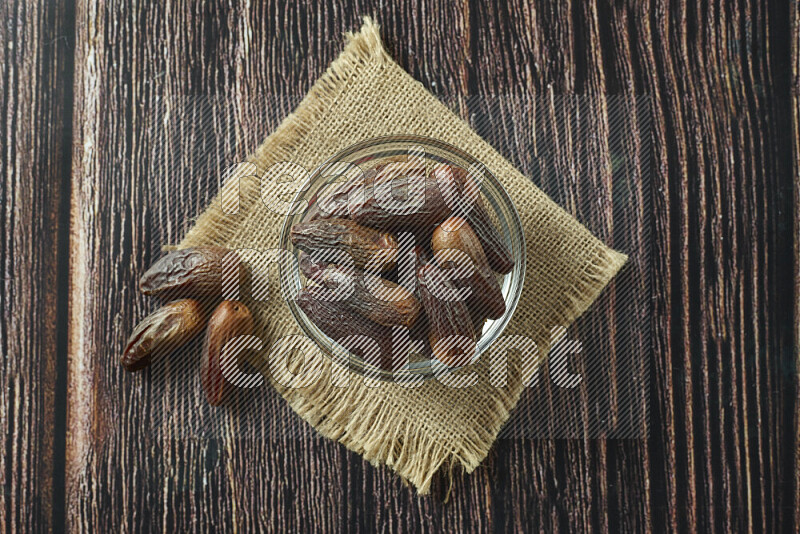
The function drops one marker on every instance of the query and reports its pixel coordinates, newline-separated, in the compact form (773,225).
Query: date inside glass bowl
(410,257)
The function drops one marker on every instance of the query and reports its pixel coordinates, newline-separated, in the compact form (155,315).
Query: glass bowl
(363,156)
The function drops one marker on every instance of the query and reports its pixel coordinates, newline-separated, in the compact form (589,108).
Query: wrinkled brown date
(497,253)
(365,245)
(486,295)
(336,204)
(474,211)
(401,197)
(191,272)
(310,265)
(393,305)
(452,336)
(162,332)
(230,320)
(338,323)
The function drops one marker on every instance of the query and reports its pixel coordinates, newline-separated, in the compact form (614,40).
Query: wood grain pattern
(35,76)
(723,451)
(795,97)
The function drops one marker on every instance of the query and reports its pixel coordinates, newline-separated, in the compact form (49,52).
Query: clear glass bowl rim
(512,282)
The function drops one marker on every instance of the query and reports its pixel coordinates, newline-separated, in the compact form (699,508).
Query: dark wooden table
(78,83)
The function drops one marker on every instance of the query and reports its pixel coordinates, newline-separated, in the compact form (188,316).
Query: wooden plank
(795,97)
(35,74)
(720,313)
(570,485)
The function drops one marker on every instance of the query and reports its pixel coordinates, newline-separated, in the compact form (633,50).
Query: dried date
(473,210)
(336,204)
(162,332)
(402,197)
(230,320)
(310,265)
(486,295)
(374,341)
(367,247)
(384,302)
(190,272)
(452,336)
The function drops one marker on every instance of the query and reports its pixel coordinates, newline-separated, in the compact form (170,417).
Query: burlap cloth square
(415,431)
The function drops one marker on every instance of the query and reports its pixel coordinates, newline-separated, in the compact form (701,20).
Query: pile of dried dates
(192,280)
(352,238)
(455,254)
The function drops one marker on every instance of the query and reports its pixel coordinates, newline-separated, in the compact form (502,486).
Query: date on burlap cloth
(413,430)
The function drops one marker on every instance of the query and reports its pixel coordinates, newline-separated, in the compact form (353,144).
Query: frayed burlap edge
(373,429)
(382,436)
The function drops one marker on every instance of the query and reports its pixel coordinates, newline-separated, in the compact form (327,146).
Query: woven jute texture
(414,430)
